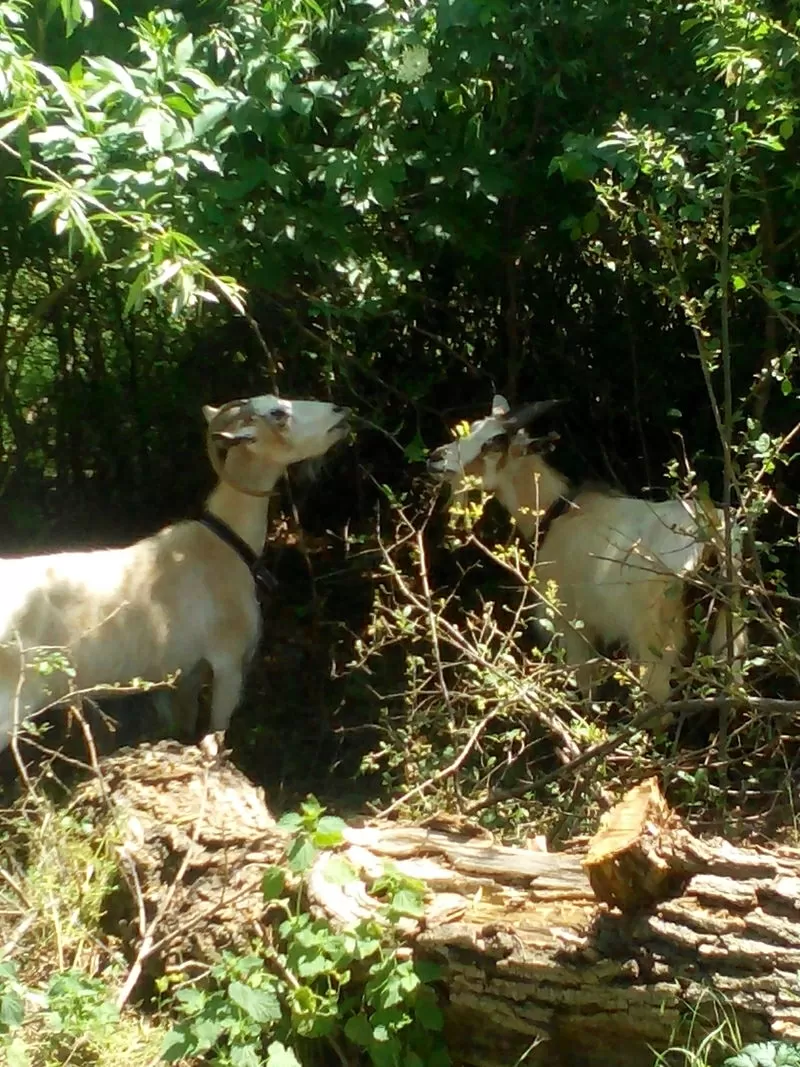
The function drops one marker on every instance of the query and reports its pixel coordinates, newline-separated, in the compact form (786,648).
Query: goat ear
(236,436)
(500,407)
(209,412)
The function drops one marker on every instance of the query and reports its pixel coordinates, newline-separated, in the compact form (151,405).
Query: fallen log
(589,959)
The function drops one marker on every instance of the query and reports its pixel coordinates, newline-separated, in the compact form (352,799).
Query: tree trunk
(576,959)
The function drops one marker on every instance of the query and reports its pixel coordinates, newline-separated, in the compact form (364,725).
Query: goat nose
(339,410)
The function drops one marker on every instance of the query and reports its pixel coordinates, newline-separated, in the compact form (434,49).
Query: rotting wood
(532,960)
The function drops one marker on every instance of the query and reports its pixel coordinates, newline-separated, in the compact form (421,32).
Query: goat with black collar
(174,602)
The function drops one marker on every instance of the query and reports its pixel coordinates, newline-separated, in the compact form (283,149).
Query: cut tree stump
(574,960)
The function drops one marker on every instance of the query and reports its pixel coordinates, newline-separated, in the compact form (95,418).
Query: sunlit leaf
(262,1005)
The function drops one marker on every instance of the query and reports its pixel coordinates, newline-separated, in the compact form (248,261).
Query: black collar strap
(559,506)
(265,580)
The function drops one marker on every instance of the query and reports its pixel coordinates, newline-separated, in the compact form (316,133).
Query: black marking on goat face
(498,443)
(280,417)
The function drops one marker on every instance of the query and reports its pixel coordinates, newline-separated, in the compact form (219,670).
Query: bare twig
(445,772)
(426,589)
(765,705)
(456,638)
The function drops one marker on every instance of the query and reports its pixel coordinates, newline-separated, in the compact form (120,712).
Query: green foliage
(317,982)
(71,1018)
(311,830)
(418,202)
(766,1054)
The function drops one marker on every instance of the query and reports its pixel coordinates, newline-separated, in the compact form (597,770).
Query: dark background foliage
(410,239)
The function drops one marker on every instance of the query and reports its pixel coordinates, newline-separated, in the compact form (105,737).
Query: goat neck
(246,515)
(527,486)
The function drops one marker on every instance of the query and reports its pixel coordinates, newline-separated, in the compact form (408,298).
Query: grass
(59,970)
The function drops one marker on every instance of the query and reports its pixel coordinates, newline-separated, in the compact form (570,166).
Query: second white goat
(620,564)
(175,602)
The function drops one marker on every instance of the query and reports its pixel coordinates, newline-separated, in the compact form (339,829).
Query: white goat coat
(619,564)
(171,602)
(159,606)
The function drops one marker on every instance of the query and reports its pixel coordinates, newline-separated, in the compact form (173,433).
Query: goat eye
(280,415)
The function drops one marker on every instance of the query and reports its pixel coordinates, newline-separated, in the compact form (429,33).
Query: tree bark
(564,959)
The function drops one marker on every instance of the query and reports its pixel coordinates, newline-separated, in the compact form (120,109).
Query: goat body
(146,611)
(170,603)
(619,565)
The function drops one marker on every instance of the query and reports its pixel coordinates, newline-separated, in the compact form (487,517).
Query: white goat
(178,601)
(618,562)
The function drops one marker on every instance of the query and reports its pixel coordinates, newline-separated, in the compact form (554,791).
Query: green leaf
(290,821)
(177,1044)
(262,1005)
(149,123)
(179,104)
(9,127)
(591,222)
(301,854)
(184,51)
(762,444)
(767,1054)
(119,73)
(438,1056)
(382,190)
(387,1053)
(191,1000)
(312,965)
(408,902)
(245,1056)
(60,86)
(786,129)
(358,1030)
(206,1032)
(206,160)
(311,810)
(209,116)
(427,970)
(738,282)
(299,102)
(340,871)
(12,1010)
(320,87)
(278,1055)
(47,204)
(273,883)
(329,832)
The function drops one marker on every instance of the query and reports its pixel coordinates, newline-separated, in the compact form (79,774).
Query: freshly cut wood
(563,959)
(642,854)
